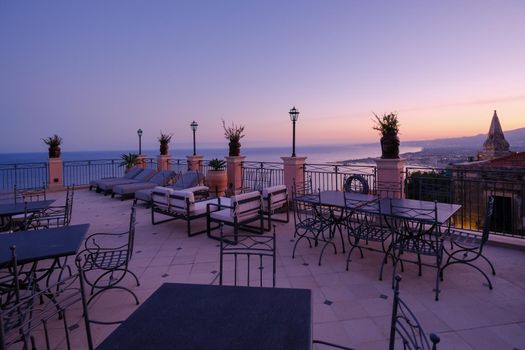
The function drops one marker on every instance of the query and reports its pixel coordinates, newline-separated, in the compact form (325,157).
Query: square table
(195,316)
(10,209)
(32,246)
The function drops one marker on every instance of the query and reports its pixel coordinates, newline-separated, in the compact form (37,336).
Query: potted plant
(234,134)
(129,160)
(388,127)
(216,177)
(54,143)
(164,140)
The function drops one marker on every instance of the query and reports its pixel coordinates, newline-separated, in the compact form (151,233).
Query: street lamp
(139,132)
(194,126)
(294,115)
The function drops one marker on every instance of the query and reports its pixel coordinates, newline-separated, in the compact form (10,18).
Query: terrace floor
(349,307)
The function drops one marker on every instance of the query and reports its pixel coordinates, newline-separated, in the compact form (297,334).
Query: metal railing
(23,175)
(333,176)
(83,171)
(258,175)
(471,189)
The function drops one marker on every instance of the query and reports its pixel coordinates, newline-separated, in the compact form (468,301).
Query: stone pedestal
(390,177)
(141,161)
(55,172)
(195,163)
(163,162)
(234,171)
(293,168)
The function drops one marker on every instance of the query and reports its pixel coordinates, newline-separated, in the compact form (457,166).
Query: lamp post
(139,132)
(294,115)
(194,126)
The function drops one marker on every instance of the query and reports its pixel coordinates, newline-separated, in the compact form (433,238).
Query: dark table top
(38,245)
(9,209)
(337,199)
(194,316)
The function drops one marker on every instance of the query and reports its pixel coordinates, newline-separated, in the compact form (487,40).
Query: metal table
(33,246)
(8,210)
(194,316)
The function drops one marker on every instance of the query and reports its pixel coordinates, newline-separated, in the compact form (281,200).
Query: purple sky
(96,71)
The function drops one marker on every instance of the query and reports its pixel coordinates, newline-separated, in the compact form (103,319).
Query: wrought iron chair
(416,231)
(467,247)
(365,225)
(243,210)
(275,200)
(29,194)
(311,223)
(54,216)
(245,248)
(29,321)
(15,283)
(405,324)
(112,261)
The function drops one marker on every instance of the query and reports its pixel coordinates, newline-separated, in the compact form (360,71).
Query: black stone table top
(10,209)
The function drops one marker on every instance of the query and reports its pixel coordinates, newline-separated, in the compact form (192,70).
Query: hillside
(516,139)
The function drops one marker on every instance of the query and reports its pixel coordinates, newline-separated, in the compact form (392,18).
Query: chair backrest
(274,197)
(31,320)
(305,210)
(489,211)
(249,256)
(246,205)
(162,177)
(70,194)
(405,324)
(417,219)
(131,173)
(145,175)
(29,194)
(131,231)
(190,178)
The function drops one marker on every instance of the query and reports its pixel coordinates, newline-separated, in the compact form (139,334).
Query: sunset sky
(96,71)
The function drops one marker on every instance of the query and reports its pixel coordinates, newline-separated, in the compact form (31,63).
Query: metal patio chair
(109,262)
(249,254)
(275,201)
(29,322)
(54,216)
(405,324)
(416,231)
(366,225)
(311,221)
(467,247)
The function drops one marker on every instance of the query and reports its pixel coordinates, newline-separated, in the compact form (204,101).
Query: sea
(316,154)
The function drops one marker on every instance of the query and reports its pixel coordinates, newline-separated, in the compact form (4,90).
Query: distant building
(499,173)
(495,145)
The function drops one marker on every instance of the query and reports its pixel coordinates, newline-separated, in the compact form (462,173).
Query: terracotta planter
(54,152)
(217,182)
(164,149)
(390,147)
(235,149)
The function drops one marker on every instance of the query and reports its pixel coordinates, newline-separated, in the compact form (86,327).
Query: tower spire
(495,145)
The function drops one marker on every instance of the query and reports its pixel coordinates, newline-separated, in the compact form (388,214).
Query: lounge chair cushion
(246,210)
(132,172)
(144,175)
(188,179)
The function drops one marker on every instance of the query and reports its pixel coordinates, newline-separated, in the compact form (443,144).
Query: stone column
(195,163)
(163,162)
(234,171)
(390,177)
(141,161)
(293,172)
(55,172)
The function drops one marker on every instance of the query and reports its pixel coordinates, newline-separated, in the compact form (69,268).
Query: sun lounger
(143,176)
(162,178)
(188,179)
(129,175)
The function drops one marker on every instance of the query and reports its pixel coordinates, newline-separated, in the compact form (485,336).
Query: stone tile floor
(349,307)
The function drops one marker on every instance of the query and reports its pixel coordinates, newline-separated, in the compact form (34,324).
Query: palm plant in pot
(388,127)
(129,160)
(216,177)
(233,133)
(164,140)
(54,143)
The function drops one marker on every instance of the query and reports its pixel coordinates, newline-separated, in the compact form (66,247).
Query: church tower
(495,145)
